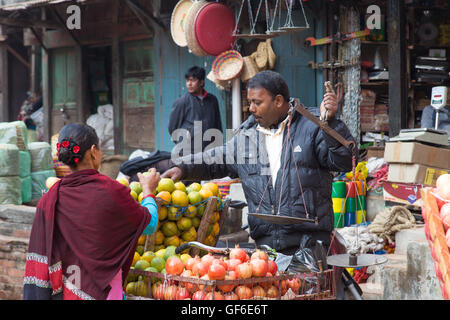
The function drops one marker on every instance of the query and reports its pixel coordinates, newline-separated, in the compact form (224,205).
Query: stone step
(406,236)
(372,291)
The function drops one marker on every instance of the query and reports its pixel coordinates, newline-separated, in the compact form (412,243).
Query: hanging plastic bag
(303,259)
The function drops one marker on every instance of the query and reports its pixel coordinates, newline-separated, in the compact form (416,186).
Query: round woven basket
(227,65)
(178,21)
(249,70)
(189,32)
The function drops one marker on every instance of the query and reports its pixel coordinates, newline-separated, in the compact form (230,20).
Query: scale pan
(280,219)
(255,36)
(363,260)
(294,29)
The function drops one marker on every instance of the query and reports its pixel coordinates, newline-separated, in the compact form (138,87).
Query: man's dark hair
(195,72)
(272,82)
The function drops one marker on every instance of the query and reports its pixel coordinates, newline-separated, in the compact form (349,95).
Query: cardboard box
(377,152)
(414,173)
(417,153)
(402,193)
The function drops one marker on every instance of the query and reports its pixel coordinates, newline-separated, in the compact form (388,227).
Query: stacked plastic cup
(360,202)
(338,196)
(350,205)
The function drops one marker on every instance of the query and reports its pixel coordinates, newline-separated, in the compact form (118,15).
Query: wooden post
(46,88)
(4,83)
(398,95)
(204,223)
(117,74)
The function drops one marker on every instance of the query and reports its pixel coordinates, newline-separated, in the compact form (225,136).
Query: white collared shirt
(274,146)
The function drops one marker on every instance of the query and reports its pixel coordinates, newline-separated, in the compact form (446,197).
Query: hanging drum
(178,21)
(191,40)
(213,28)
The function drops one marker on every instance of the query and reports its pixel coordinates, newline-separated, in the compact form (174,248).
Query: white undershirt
(274,146)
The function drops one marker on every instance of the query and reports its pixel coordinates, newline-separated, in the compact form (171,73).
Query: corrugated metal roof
(10,5)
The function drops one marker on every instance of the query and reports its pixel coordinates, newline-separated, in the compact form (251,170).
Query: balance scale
(429,135)
(425,135)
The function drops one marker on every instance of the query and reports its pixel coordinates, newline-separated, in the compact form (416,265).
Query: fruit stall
(436,215)
(168,266)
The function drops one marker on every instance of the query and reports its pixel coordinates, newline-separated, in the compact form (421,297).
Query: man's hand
(174,173)
(149,181)
(330,103)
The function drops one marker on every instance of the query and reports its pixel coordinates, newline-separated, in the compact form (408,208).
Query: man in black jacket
(284,161)
(194,113)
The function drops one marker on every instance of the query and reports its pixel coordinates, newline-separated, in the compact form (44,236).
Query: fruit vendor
(86,226)
(284,161)
(195,107)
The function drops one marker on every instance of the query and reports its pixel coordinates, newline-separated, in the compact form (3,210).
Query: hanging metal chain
(252,31)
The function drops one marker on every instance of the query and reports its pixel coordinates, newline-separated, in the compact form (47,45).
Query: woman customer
(86,226)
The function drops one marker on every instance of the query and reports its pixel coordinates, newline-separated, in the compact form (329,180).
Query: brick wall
(15,227)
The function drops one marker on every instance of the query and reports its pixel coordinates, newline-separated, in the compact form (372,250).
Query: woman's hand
(149,181)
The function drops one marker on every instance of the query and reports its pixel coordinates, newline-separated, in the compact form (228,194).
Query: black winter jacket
(187,109)
(310,149)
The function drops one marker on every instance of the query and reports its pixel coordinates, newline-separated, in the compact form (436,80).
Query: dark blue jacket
(310,150)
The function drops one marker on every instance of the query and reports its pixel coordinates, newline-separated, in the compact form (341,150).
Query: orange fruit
(136,258)
(134,195)
(141,241)
(180,198)
(165,195)
(195,186)
(162,214)
(194,197)
(166,184)
(206,193)
(180,186)
(123,181)
(211,186)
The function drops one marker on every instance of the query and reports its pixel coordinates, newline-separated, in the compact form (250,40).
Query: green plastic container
(339,189)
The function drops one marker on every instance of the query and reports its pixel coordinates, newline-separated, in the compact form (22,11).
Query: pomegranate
(273,268)
(238,253)
(284,287)
(443,186)
(267,284)
(230,275)
(208,259)
(243,292)
(259,267)
(157,291)
(231,296)
(247,257)
(200,268)
(294,284)
(259,254)
(222,262)
(189,286)
(182,294)
(272,292)
(445,215)
(233,263)
(447,238)
(174,265)
(217,296)
(216,272)
(244,270)
(258,291)
(199,295)
(191,262)
(170,292)
(205,287)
